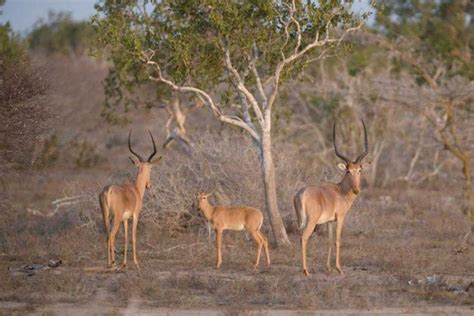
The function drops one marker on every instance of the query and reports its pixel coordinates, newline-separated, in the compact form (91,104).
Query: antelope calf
(329,203)
(234,218)
(124,201)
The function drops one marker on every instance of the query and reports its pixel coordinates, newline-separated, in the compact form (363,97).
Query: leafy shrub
(60,34)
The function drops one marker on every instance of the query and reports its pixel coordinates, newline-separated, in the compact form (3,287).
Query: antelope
(233,218)
(124,201)
(329,203)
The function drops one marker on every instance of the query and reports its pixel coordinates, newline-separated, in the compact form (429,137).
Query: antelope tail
(300,211)
(104,198)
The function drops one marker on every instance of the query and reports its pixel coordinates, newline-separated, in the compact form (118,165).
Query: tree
(434,41)
(60,34)
(233,56)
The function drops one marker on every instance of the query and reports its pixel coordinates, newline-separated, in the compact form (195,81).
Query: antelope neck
(207,209)
(346,186)
(140,182)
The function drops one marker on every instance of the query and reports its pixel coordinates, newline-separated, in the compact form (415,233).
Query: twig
(176,247)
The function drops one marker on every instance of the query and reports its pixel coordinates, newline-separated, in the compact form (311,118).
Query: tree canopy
(441,31)
(188,38)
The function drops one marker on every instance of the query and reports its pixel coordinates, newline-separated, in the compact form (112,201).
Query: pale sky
(23,14)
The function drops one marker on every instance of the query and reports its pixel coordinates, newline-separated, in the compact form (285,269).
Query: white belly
(126,215)
(235,227)
(326,218)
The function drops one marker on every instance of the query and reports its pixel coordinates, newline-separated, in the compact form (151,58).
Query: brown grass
(382,268)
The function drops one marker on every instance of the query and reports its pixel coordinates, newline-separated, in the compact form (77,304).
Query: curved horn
(154,147)
(335,146)
(130,147)
(366,146)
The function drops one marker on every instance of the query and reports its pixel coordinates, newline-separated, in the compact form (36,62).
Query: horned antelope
(234,218)
(124,201)
(329,203)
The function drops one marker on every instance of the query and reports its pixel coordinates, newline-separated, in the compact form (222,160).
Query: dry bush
(228,166)
(24,111)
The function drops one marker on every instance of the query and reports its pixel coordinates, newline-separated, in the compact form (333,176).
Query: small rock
(31,269)
(457,289)
(432,279)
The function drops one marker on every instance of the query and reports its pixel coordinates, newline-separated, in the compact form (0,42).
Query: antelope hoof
(306,273)
(329,269)
(137,265)
(339,270)
(124,266)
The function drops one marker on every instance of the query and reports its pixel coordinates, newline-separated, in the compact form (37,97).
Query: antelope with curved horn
(329,203)
(234,218)
(124,201)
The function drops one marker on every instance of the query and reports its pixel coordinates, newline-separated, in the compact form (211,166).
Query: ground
(178,273)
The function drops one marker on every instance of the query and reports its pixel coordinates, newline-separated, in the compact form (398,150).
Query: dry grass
(382,268)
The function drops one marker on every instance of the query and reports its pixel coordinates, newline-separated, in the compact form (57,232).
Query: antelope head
(202,196)
(352,169)
(144,165)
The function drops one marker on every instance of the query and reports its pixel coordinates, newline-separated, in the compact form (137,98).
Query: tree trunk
(468,191)
(469,208)
(268,172)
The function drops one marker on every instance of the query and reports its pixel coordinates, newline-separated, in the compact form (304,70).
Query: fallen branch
(58,204)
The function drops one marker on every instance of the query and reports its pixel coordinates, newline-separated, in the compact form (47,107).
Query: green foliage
(12,48)
(60,34)
(437,30)
(189,38)
(86,155)
(49,152)
(328,106)
(357,61)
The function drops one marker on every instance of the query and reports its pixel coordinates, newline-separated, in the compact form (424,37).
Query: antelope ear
(134,160)
(365,164)
(156,160)
(341,166)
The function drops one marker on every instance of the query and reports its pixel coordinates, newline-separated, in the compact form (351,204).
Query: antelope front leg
(109,257)
(340,222)
(134,241)
(125,247)
(218,247)
(304,241)
(331,242)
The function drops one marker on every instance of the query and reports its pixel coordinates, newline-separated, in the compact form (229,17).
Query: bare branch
(202,95)
(242,88)
(405,55)
(316,43)
(258,80)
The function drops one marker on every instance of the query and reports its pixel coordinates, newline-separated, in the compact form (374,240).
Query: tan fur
(330,202)
(327,203)
(234,218)
(124,201)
